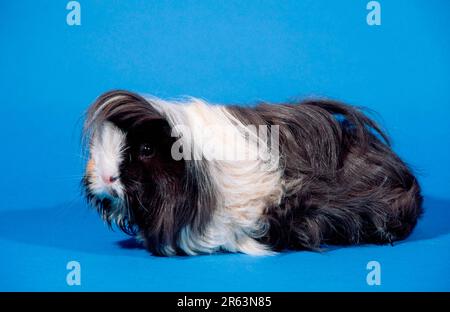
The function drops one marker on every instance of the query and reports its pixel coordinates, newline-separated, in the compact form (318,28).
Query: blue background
(228,52)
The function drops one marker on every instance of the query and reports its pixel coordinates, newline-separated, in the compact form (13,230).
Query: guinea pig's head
(131,177)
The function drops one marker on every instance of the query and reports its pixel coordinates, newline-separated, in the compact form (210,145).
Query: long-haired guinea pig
(189,177)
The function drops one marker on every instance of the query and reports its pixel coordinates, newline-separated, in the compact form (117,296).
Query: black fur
(344,184)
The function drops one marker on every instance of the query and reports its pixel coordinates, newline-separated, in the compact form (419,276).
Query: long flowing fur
(343,183)
(334,180)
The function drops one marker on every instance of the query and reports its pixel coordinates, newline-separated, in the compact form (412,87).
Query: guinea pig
(321,173)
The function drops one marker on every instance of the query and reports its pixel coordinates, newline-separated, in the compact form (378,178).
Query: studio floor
(225,52)
(36,250)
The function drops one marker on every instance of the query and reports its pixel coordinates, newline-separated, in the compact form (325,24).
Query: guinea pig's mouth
(96,187)
(109,204)
(94,193)
(107,193)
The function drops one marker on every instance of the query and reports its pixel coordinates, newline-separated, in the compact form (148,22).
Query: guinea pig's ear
(123,108)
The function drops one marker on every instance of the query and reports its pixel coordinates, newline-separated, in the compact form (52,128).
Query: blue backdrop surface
(226,52)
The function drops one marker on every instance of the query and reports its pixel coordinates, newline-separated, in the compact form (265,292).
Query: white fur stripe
(244,188)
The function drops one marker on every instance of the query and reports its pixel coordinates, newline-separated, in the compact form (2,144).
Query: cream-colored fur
(244,186)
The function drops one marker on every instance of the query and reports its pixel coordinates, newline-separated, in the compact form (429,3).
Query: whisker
(140,203)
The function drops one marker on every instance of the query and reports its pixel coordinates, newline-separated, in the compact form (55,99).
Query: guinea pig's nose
(107,179)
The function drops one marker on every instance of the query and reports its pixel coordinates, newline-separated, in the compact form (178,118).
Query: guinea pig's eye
(146,151)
